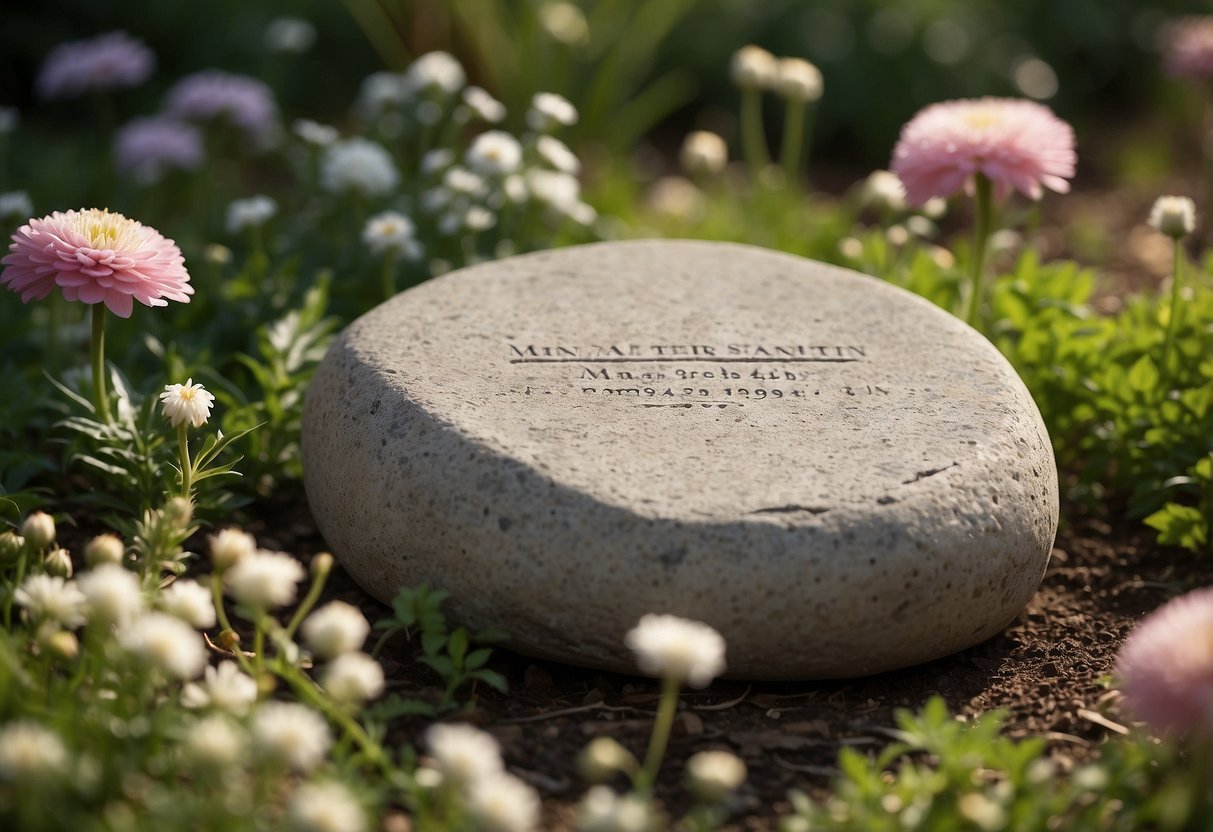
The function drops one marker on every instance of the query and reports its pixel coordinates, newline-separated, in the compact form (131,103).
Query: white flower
(335,628)
(553,188)
(1174,216)
(464,754)
(353,678)
(437,159)
(104,548)
(324,807)
(437,72)
(558,155)
(360,165)
(30,752)
(225,688)
(229,547)
(291,734)
(884,192)
(187,402)
(47,596)
(602,759)
(381,91)
(714,775)
(15,204)
(483,105)
(703,153)
(435,199)
(113,593)
(165,642)
(564,22)
(191,602)
(314,133)
(753,67)
(503,803)
(253,212)
(9,118)
(463,181)
(478,219)
(38,529)
(264,579)
(549,111)
(601,810)
(666,645)
(290,34)
(392,232)
(675,196)
(214,742)
(798,80)
(514,188)
(494,153)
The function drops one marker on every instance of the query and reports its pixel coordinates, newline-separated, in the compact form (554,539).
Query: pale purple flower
(245,102)
(107,62)
(1165,667)
(147,148)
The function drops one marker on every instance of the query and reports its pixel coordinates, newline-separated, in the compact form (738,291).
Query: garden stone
(837,475)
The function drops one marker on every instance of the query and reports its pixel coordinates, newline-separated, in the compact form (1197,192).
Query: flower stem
(389,276)
(984,203)
(97,353)
(753,141)
(792,149)
(1173,319)
(661,735)
(309,601)
(187,467)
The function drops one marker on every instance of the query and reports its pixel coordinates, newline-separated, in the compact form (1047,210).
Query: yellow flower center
(103,229)
(187,394)
(981,119)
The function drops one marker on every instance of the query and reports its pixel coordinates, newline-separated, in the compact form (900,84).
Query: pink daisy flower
(1165,667)
(1188,47)
(106,62)
(1017,144)
(95,256)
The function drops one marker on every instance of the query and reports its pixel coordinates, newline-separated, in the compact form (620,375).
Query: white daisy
(187,402)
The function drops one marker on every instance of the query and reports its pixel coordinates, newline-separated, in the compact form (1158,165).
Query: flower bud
(58,563)
(798,80)
(1174,216)
(229,547)
(753,67)
(179,511)
(39,530)
(322,565)
(104,548)
(714,775)
(703,153)
(63,645)
(602,759)
(216,254)
(11,545)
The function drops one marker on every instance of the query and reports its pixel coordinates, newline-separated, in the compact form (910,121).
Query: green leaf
(1182,526)
(432,642)
(477,658)
(458,646)
(491,678)
(1143,375)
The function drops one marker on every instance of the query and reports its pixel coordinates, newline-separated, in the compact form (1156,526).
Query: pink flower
(95,256)
(246,102)
(148,147)
(106,62)
(1188,47)
(1165,668)
(1017,144)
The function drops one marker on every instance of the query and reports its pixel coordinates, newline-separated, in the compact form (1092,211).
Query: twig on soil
(820,771)
(580,709)
(724,706)
(1102,721)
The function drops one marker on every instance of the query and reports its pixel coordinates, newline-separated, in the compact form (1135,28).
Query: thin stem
(753,140)
(389,276)
(1173,319)
(97,353)
(187,467)
(225,623)
(309,601)
(306,689)
(984,200)
(792,148)
(661,735)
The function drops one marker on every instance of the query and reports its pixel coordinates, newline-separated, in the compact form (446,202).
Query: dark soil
(1049,671)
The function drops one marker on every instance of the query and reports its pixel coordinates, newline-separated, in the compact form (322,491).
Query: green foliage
(945,774)
(452,654)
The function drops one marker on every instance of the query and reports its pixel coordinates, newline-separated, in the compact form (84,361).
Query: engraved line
(665,359)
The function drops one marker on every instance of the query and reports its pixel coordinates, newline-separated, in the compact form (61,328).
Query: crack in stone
(930,472)
(790,509)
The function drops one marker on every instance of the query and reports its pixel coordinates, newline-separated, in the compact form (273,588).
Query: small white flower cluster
(754,68)
(15,204)
(468,761)
(358,166)
(424,93)
(336,633)
(253,212)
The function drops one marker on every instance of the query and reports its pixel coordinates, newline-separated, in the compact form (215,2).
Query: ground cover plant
(179,651)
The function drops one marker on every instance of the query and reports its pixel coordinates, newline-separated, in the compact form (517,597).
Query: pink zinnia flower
(244,101)
(106,62)
(148,147)
(1166,666)
(1017,144)
(1188,47)
(95,256)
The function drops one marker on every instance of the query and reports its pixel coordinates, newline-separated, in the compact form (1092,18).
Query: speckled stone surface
(837,475)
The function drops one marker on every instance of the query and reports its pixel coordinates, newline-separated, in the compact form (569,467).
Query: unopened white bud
(39,530)
(58,563)
(753,67)
(104,548)
(714,775)
(798,80)
(703,153)
(1174,216)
